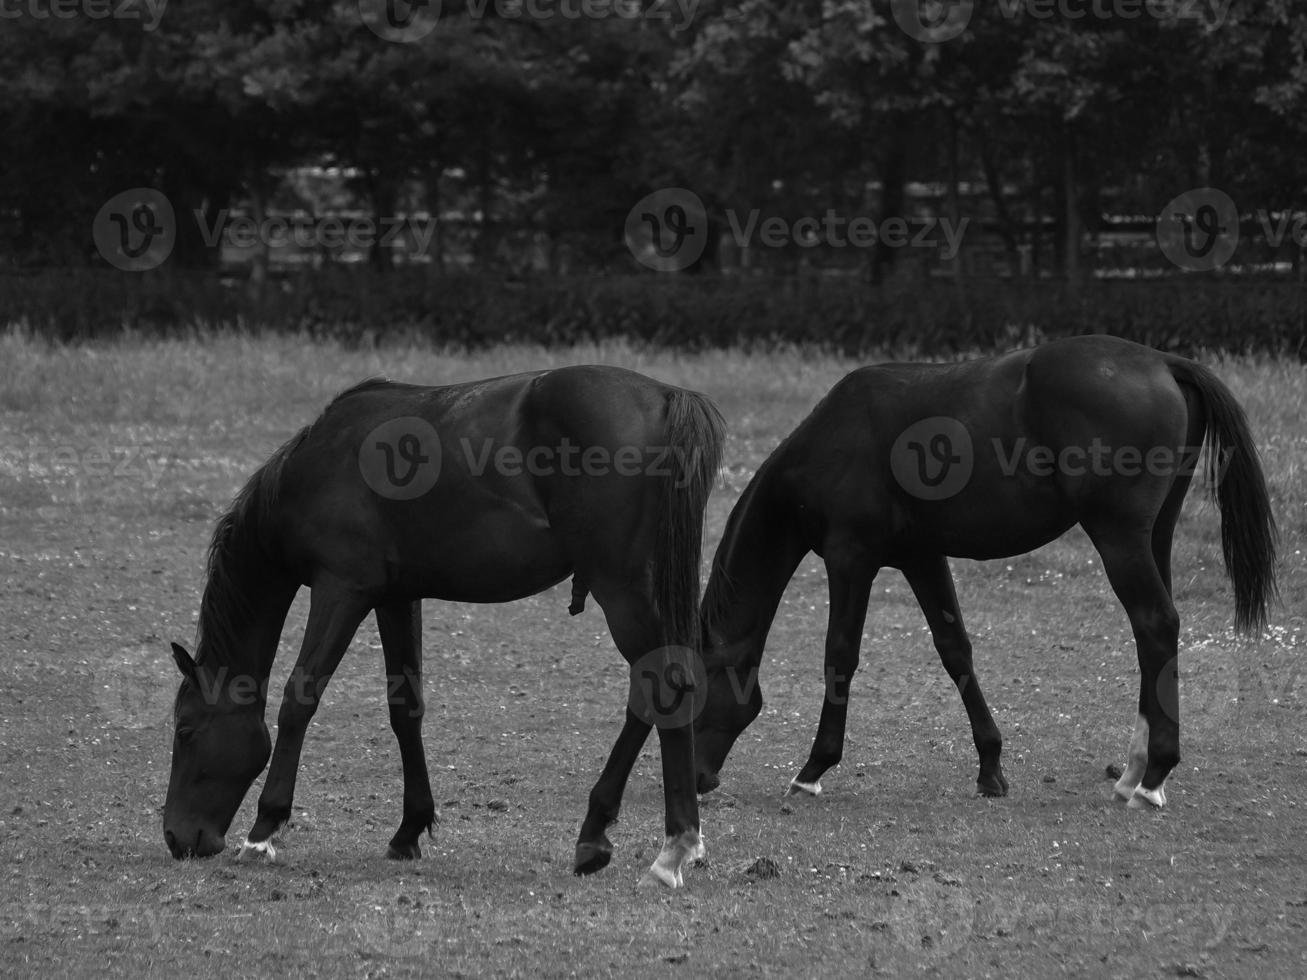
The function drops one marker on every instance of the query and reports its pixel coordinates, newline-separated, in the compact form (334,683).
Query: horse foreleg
(400,626)
(334,615)
(851,573)
(932,584)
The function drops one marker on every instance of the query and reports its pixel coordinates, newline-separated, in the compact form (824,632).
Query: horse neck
(759,551)
(241,617)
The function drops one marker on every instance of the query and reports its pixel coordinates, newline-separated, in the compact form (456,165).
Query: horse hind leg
(662,693)
(400,626)
(932,584)
(1162,537)
(1131,566)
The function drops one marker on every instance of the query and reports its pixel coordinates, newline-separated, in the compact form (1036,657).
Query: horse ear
(184,662)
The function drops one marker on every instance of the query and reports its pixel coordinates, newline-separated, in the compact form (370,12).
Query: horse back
(483,491)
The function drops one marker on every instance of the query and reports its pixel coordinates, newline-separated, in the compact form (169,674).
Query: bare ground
(114,462)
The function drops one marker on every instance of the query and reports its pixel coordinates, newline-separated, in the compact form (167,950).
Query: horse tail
(1235,478)
(695,432)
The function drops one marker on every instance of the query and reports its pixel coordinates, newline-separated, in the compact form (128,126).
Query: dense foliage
(524,133)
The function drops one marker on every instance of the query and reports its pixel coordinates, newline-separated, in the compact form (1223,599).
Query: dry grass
(113,462)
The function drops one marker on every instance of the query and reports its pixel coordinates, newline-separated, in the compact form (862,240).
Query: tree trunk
(893,174)
(1002,213)
(1071,224)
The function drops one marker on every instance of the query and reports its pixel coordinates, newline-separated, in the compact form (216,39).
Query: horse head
(220,745)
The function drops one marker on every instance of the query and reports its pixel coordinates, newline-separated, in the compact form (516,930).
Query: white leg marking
(796,787)
(666,869)
(1148,799)
(1136,762)
(263,849)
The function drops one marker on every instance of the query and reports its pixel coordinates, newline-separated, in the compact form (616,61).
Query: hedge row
(359,307)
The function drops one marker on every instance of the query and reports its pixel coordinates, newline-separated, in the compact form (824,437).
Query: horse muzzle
(200,844)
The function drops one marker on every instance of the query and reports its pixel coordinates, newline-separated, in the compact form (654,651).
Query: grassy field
(114,462)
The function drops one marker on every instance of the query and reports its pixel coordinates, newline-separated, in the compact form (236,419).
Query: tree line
(549,119)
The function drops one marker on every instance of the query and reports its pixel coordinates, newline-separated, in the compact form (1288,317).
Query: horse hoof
(253,850)
(992,787)
(403,852)
(657,878)
(1147,799)
(591,858)
(812,789)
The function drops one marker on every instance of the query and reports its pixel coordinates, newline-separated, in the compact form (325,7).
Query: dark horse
(904,465)
(481,492)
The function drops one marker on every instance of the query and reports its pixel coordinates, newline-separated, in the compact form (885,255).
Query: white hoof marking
(666,869)
(260,849)
(1147,799)
(1136,762)
(811,789)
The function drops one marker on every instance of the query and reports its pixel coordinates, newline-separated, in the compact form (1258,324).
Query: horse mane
(237,566)
(718,596)
(236,558)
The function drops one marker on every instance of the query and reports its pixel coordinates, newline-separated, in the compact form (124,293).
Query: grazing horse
(906,465)
(481,492)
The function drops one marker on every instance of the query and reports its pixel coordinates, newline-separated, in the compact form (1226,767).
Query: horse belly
(996,523)
(497,557)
